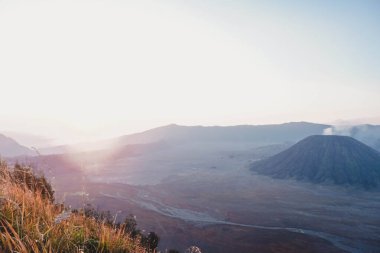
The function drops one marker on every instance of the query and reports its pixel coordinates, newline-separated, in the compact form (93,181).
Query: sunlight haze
(85,70)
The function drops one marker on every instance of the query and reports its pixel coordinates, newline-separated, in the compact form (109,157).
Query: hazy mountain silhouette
(260,134)
(272,133)
(9,147)
(325,158)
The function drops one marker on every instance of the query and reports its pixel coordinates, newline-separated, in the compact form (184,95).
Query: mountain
(29,139)
(369,134)
(247,133)
(176,134)
(339,160)
(9,147)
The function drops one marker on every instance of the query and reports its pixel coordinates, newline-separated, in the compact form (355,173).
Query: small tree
(130,226)
(150,241)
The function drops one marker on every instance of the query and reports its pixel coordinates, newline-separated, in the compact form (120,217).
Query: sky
(80,70)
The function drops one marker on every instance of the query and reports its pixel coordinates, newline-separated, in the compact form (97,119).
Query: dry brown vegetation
(28,220)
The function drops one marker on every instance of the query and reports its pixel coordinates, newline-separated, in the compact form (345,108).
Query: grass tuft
(29,220)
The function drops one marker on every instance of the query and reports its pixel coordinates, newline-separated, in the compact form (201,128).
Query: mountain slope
(9,147)
(325,158)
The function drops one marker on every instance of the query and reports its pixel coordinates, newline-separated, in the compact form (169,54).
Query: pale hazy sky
(92,69)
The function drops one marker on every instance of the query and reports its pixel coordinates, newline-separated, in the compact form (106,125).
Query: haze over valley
(199,126)
(195,186)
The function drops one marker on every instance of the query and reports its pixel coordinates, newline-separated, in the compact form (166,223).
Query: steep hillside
(337,159)
(31,222)
(9,147)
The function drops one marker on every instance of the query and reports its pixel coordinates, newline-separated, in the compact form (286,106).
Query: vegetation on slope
(31,222)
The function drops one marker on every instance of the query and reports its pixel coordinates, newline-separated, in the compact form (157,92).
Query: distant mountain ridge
(271,133)
(9,147)
(261,134)
(335,159)
(258,134)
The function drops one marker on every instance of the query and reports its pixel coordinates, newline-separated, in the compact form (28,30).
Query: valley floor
(211,199)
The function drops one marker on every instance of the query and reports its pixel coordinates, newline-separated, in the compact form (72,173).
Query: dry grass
(27,224)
